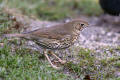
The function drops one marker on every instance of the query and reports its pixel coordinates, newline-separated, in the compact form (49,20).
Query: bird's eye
(82,24)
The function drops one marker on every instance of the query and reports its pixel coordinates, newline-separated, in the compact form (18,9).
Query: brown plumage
(55,37)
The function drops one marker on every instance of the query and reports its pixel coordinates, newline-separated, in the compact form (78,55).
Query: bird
(57,37)
(111,7)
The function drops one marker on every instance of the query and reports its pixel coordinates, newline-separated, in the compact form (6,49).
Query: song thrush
(56,37)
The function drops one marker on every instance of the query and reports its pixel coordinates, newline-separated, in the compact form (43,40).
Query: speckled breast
(57,44)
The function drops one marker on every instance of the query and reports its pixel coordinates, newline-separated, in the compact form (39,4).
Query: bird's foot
(60,60)
(55,67)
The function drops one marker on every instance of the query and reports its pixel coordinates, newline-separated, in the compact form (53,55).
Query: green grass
(56,9)
(23,65)
(4,22)
(88,64)
(118,48)
(18,63)
(85,65)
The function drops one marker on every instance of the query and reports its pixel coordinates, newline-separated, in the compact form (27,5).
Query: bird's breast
(54,44)
(74,39)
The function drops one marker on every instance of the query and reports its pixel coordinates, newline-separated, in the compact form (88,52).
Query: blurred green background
(55,9)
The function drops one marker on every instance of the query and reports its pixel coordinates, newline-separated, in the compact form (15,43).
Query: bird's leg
(61,61)
(55,67)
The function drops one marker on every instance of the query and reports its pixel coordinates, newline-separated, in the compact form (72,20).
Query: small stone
(117,74)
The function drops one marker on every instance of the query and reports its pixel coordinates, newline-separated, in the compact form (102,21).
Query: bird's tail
(14,35)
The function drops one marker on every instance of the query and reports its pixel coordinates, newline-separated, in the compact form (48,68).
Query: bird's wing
(50,33)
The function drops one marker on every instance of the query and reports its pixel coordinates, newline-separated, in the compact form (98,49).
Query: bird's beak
(88,24)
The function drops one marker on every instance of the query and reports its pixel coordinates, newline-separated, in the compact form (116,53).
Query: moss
(117,64)
(25,64)
(85,62)
(118,48)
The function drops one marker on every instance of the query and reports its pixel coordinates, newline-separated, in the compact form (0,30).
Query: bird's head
(78,25)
